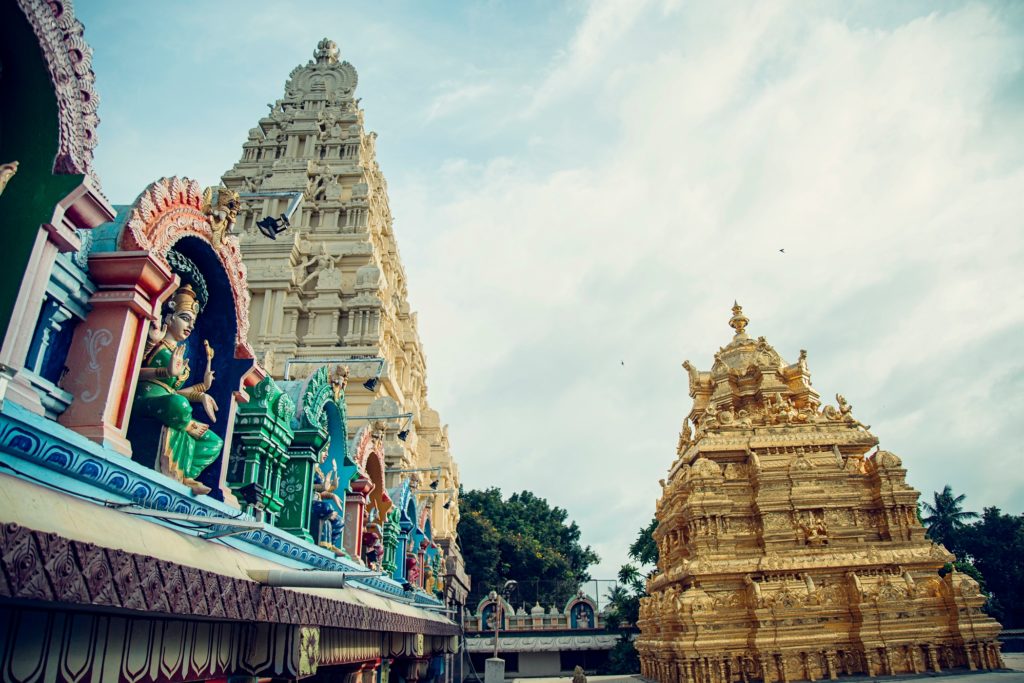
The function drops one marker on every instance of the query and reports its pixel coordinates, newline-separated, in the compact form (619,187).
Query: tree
(945,517)
(644,550)
(995,545)
(624,603)
(525,539)
(989,550)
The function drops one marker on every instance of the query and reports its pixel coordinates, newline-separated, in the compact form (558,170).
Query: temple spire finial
(326,52)
(738,321)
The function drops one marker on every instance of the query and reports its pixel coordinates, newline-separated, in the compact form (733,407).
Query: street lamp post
(497,619)
(494,670)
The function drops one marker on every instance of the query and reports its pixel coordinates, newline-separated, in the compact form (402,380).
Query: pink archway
(172,208)
(369,457)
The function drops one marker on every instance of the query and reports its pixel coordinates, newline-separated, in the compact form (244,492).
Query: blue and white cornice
(50,454)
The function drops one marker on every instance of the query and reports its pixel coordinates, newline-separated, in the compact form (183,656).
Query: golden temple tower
(787,551)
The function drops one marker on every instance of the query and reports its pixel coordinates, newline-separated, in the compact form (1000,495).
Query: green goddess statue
(186,446)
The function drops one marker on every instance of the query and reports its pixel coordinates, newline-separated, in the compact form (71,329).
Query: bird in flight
(782,251)
(622,362)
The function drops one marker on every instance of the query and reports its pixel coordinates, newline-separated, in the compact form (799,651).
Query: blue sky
(582,189)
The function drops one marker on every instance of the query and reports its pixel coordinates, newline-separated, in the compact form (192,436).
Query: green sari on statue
(185,444)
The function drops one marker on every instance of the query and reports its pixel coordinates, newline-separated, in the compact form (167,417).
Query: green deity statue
(186,446)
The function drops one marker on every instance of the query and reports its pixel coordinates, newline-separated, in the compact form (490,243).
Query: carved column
(780,663)
(830,663)
(107,347)
(405,528)
(355,511)
(297,484)
(809,667)
(263,432)
(391,531)
(421,559)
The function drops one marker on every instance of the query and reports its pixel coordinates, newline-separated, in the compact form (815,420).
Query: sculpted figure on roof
(187,445)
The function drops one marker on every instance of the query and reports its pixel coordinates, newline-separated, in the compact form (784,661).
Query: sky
(582,189)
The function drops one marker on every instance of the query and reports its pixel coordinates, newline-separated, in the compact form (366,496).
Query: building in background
(787,551)
(330,286)
(535,641)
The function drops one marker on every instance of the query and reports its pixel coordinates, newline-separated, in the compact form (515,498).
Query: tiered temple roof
(332,286)
(787,550)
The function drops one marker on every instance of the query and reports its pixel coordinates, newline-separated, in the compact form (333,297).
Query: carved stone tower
(331,287)
(789,552)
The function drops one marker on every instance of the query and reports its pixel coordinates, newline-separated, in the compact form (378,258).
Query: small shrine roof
(751,387)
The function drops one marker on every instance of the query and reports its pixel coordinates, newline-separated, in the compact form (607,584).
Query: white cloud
(874,156)
(457,96)
(574,229)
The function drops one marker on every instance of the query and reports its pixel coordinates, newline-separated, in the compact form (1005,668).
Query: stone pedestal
(494,670)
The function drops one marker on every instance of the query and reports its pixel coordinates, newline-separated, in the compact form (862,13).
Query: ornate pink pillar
(421,555)
(355,516)
(107,349)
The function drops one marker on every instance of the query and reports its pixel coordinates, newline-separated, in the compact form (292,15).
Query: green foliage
(479,539)
(945,517)
(988,550)
(644,550)
(965,567)
(995,545)
(631,577)
(622,659)
(624,603)
(525,539)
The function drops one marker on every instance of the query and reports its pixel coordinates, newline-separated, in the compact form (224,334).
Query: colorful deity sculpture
(412,570)
(428,577)
(327,507)
(186,446)
(373,545)
(221,206)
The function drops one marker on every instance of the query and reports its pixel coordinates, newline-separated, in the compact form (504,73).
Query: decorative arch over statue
(49,194)
(581,611)
(173,208)
(369,457)
(485,610)
(169,238)
(319,467)
(368,503)
(69,62)
(408,513)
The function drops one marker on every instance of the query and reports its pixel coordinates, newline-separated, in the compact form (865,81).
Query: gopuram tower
(788,551)
(330,287)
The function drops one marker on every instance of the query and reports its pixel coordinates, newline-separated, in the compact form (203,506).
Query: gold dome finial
(738,321)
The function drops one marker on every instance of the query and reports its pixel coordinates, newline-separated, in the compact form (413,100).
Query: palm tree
(946,516)
(630,576)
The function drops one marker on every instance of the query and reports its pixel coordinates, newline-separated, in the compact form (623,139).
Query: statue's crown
(184,299)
